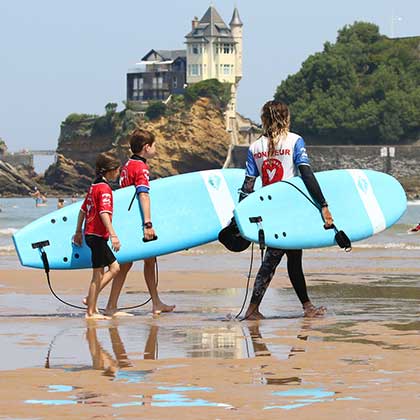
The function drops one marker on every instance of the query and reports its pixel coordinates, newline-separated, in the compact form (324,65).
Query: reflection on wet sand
(102,359)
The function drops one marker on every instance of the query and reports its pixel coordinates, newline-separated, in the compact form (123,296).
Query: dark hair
(106,162)
(139,138)
(275,118)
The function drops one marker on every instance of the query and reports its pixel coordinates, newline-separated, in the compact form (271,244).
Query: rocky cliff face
(187,140)
(16,181)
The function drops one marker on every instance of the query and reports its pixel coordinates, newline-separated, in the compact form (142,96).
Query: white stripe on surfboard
(219,194)
(365,190)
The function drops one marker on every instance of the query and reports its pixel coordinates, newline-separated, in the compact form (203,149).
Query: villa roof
(236,20)
(166,55)
(211,25)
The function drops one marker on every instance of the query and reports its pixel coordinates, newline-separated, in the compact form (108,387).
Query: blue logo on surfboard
(214,181)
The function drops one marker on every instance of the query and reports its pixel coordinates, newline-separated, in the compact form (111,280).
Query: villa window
(194,70)
(226,48)
(137,92)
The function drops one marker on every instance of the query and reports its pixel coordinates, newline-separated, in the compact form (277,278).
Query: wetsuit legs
(296,276)
(266,272)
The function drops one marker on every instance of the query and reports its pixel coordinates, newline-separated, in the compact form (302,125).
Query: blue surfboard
(362,203)
(187,210)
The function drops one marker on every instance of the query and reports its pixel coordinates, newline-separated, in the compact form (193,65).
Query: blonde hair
(275,118)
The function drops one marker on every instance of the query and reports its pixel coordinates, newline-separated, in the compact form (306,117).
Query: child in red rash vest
(96,212)
(136,172)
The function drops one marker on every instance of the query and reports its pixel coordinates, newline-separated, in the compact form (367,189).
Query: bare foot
(96,316)
(161,307)
(115,313)
(254,315)
(84,301)
(311,311)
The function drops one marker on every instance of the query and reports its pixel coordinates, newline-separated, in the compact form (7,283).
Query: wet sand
(360,361)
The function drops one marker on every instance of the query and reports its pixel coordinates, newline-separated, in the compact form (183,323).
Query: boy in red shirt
(96,211)
(136,172)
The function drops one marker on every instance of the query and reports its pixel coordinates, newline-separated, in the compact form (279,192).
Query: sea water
(18,212)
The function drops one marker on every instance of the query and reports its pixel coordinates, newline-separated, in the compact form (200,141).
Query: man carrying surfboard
(136,172)
(278,155)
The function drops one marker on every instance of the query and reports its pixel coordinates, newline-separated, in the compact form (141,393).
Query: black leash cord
(247,282)
(47,272)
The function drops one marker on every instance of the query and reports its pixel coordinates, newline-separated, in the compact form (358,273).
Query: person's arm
(314,190)
(247,187)
(106,220)
(148,231)
(251,174)
(78,236)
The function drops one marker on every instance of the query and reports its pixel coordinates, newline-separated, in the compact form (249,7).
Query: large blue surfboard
(362,203)
(187,210)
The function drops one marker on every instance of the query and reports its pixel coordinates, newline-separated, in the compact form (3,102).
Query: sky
(58,57)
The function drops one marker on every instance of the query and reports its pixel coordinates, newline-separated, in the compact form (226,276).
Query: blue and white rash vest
(289,153)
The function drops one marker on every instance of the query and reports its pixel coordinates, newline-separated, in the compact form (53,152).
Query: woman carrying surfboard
(278,155)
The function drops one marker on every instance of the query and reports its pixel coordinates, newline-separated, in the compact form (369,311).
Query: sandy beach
(358,362)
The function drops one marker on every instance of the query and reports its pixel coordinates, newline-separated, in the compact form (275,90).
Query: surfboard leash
(342,240)
(247,282)
(45,262)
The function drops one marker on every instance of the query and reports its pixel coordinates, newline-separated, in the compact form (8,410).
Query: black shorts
(102,256)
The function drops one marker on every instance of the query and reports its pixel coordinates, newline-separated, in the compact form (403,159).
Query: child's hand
(115,242)
(149,233)
(78,238)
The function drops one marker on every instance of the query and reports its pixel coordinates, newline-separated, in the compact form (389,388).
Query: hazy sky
(59,57)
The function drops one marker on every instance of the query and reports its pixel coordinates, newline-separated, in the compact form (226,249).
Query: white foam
(8,231)
(7,250)
(388,245)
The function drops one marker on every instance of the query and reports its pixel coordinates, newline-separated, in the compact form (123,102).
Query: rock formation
(187,140)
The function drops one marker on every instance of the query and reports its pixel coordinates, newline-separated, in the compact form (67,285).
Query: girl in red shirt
(96,212)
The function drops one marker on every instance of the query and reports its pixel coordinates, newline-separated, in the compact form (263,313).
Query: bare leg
(99,281)
(117,284)
(93,292)
(150,278)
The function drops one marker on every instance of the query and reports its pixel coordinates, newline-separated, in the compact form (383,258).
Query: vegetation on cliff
(365,88)
(190,137)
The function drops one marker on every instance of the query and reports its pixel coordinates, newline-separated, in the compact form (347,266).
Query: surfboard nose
(390,195)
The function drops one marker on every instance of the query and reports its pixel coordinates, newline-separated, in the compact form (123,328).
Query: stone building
(213,51)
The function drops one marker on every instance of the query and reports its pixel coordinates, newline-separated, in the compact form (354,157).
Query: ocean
(393,246)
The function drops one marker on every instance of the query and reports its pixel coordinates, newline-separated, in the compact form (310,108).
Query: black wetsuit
(273,256)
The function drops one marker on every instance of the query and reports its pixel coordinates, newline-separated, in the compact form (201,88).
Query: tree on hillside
(365,88)
(111,108)
(155,110)
(218,92)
